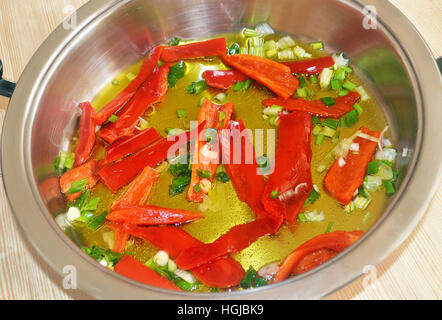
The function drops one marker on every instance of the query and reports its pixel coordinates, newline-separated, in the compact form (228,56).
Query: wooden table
(412,271)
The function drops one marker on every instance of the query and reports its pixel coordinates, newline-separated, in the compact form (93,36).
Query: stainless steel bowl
(73,65)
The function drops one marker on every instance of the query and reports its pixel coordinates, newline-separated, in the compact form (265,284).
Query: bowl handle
(6,87)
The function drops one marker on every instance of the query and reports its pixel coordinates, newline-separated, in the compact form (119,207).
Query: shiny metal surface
(72,65)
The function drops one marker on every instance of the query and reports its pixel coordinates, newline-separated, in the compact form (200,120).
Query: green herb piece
(274,194)
(262,161)
(112,118)
(343,122)
(347,69)
(222,176)
(302,218)
(336,84)
(176,72)
(328,101)
(302,82)
(349,85)
(389,187)
(318,45)
(204,174)
(317,130)
(64,162)
(98,221)
(242,85)
(174,41)
(331,123)
(78,186)
(342,93)
(301,92)
(197,188)
(99,254)
(180,166)
(316,120)
(373,167)
(178,184)
(351,118)
(358,108)
(313,79)
(196,87)
(329,227)
(249,278)
(395,175)
(222,116)
(181,113)
(115,82)
(233,49)
(312,197)
(339,75)
(328,132)
(364,193)
(260,282)
(319,139)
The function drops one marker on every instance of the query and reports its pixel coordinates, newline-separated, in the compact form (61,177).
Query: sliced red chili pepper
(122,172)
(343,181)
(317,107)
(148,215)
(202,162)
(134,269)
(275,76)
(223,79)
(243,170)
(121,236)
(336,241)
(149,65)
(151,91)
(139,191)
(85,171)
(130,145)
(86,134)
(221,273)
(310,66)
(209,48)
(314,259)
(292,178)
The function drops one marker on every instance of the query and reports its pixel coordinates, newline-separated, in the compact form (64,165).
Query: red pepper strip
(152,91)
(86,134)
(148,215)
(248,184)
(314,259)
(236,239)
(139,191)
(209,48)
(209,113)
(317,107)
(342,182)
(336,241)
(122,172)
(129,145)
(292,178)
(85,171)
(221,273)
(223,79)
(275,76)
(121,236)
(310,66)
(134,269)
(149,65)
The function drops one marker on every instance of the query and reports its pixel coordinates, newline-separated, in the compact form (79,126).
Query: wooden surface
(412,271)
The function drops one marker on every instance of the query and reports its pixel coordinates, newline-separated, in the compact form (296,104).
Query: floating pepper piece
(209,48)
(86,134)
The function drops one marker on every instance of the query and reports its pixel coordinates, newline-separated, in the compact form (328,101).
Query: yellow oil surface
(222,209)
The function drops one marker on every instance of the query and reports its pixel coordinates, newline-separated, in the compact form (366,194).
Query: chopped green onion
(256,42)
(222,176)
(312,197)
(351,118)
(317,129)
(302,82)
(319,139)
(328,132)
(197,188)
(301,53)
(271,53)
(314,216)
(178,184)
(361,203)
(204,174)
(384,172)
(395,175)
(342,93)
(130,76)
(328,101)
(389,187)
(197,87)
(234,49)
(181,113)
(325,77)
(286,54)
(331,123)
(249,278)
(363,93)
(98,221)
(248,32)
(274,194)
(318,45)
(221,97)
(273,121)
(262,161)
(174,41)
(202,101)
(260,282)
(358,108)
(335,84)
(173,131)
(313,79)
(343,122)
(301,92)
(256,51)
(302,218)
(316,120)
(176,72)
(366,216)
(112,118)
(242,85)
(349,85)
(372,183)
(364,193)
(115,82)
(222,116)
(274,110)
(100,254)
(286,42)
(270,45)
(243,50)
(347,69)
(329,227)
(78,186)
(339,74)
